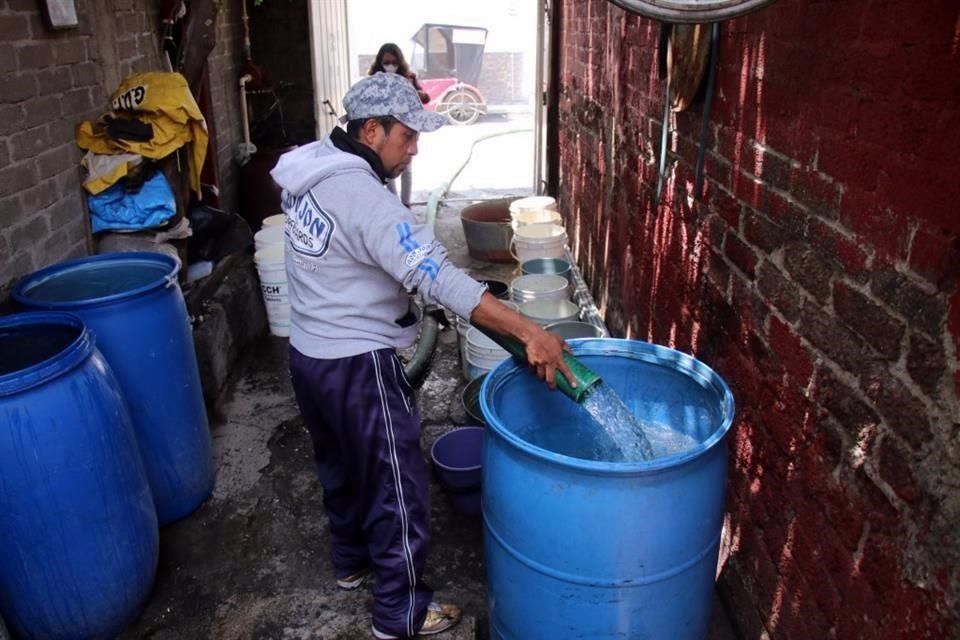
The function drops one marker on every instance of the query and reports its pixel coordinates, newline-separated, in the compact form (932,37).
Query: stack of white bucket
(538,230)
(269,245)
(478,353)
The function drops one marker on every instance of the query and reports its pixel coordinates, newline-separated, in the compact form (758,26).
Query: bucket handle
(171,278)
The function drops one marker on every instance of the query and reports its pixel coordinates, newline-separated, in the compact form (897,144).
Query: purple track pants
(365,426)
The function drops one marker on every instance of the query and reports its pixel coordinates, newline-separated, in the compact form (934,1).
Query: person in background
(353,254)
(390,60)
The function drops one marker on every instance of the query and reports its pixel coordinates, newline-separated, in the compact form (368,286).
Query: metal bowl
(486,227)
(471,400)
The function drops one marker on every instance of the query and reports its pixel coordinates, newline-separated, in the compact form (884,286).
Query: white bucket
(483,354)
(267,236)
(533,241)
(534,216)
(463,327)
(273,285)
(270,221)
(544,312)
(539,286)
(534,203)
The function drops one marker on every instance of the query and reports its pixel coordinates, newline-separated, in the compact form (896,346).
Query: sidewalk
(252,562)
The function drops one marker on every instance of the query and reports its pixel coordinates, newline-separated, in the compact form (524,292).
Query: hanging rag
(105,170)
(164,102)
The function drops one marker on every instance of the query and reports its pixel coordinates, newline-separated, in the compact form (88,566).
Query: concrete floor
(252,561)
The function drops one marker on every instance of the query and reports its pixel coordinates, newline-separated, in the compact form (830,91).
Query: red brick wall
(818,275)
(52,80)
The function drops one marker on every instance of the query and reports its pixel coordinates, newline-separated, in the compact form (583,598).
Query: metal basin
(486,226)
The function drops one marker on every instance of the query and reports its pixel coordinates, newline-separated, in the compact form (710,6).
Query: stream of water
(628,438)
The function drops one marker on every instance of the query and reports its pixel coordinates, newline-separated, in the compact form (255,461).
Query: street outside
(501,164)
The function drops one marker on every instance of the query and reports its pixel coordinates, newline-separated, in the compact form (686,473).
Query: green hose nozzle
(586,378)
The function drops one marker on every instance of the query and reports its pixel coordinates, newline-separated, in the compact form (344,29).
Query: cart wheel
(461,106)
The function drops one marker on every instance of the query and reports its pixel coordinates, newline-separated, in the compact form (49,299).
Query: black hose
(417,367)
(708,100)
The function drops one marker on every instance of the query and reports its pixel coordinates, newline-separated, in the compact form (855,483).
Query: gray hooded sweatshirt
(353,252)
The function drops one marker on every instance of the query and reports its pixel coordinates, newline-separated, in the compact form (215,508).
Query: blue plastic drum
(78,531)
(585,548)
(132,303)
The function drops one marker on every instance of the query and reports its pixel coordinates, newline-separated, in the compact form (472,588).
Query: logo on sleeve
(309,227)
(416,256)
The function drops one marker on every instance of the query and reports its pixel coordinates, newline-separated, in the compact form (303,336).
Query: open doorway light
(478,64)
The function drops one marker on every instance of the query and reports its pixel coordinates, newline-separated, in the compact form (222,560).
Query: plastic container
(134,306)
(534,216)
(577,547)
(497,288)
(548,266)
(533,241)
(274,220)
(482,353)
(78,531)
(533,203)
(457,457)
(272,271)
(269,235)
(573,329)
(543,312)
(539,287)
(464,326)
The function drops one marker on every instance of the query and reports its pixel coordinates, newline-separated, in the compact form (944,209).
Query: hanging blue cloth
(116,210)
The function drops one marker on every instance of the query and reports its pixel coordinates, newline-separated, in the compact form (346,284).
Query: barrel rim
(21,292)
(614,346)
(71,356)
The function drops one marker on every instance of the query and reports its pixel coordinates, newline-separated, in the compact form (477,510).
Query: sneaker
(355,580)
(440,617)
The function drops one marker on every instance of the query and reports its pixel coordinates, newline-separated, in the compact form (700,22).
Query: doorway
(479,63)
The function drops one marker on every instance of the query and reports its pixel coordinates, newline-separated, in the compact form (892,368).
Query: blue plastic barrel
(134,306)
(581,548)
(78,531)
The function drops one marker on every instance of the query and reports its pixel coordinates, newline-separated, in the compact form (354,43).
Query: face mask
(390,68)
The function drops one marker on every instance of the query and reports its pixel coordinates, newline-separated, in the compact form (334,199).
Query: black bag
(216,233)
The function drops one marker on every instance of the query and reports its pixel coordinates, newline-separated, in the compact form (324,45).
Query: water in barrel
(607,430)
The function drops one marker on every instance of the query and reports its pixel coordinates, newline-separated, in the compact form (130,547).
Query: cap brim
(423,121)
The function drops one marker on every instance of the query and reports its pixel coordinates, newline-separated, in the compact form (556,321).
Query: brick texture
(52,81)
(820,269)
(224,72)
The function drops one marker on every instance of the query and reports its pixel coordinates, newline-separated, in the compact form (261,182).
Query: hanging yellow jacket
(162,100)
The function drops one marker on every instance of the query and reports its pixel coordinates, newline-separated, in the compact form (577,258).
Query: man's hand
(545,357)
(544,350)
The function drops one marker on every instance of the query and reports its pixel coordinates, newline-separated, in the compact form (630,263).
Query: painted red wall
(818,275)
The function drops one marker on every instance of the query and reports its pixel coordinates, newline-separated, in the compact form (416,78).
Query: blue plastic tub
(457,456)
(581,548)
(132,303)
(78,531)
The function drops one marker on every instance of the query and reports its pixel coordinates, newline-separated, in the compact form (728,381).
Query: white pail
(543,312)
(534,216)
(267,236)
(273,285)
(534,203)
(270,221)
(539,286)
(533,241)
(463,327)
(483,354)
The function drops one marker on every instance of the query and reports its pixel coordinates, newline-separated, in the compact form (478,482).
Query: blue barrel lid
(647,352)
(33,329)
(96,280)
